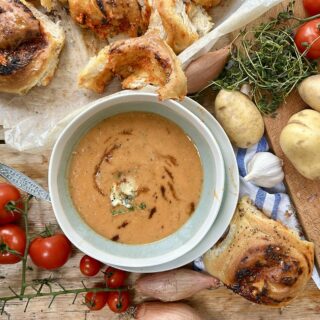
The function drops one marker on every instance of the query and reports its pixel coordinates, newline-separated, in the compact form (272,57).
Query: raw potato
(300,141)
(309,91)
(239,117)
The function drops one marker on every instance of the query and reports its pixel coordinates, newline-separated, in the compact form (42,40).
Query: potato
(309,91)
(239,117)
(300,142)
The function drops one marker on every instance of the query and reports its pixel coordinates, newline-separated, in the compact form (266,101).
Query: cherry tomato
(89,266)
(118,302)
(306,35)
(115,278)
(312,6)
(14,238)
(51,252)
(9,195)
(96,300)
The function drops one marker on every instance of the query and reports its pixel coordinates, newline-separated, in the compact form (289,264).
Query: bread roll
(30,44)
(261,259)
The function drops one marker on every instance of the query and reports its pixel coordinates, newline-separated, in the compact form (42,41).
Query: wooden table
(218,304)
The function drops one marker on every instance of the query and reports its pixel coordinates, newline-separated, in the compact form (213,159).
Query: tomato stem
(54,294)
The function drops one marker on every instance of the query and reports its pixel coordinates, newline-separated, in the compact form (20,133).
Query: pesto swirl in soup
(135,178)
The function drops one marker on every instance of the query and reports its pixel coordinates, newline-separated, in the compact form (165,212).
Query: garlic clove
(265,170)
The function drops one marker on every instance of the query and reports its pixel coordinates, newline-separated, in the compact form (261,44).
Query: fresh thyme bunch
(268,59)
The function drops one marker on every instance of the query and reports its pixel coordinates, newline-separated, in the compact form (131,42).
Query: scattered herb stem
(268,59)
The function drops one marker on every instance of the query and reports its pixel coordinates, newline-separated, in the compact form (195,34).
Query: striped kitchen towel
(274,202)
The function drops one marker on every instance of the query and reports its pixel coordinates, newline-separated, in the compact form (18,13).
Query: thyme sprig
(268,59)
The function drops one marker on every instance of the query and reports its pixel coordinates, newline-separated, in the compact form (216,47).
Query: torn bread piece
(180,32)
(200,18)
(196,16)
(30,55)
(261,259)
(137,62)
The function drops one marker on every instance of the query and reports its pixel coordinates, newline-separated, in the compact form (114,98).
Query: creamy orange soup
(135,178)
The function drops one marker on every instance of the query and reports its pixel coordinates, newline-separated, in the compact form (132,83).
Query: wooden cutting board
(304,193)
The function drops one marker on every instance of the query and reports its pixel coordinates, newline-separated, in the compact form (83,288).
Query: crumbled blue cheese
(123,193)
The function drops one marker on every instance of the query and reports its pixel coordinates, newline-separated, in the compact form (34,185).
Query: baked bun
(137,62)
(261,259)
(109,18)
(30,44)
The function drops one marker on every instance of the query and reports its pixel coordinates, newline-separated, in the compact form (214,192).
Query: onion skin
(166,311)
(175,285)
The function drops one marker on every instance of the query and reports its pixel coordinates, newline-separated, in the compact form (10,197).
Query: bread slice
(33,62)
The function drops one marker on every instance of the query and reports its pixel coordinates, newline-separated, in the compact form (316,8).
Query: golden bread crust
(207,3)
(109,18)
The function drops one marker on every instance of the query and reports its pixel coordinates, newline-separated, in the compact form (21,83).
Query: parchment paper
(33,122)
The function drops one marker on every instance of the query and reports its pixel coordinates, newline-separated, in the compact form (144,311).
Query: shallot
(206,68)
(175,285)
(166,311)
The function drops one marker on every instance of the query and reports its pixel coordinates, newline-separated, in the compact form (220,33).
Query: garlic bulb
(265,170)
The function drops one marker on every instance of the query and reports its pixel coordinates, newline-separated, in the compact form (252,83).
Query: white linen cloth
(275,203)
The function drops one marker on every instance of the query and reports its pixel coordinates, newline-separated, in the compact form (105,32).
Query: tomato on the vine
(12,238)
(89,266)
(96,300)
(309,35)
(10,197)
(50,252)
(312,6)
(115,278)
(118,302)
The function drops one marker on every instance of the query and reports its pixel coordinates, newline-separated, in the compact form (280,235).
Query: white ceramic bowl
(155,253)
(230,196)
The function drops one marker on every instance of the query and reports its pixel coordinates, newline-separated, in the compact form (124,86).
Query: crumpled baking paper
(34,121)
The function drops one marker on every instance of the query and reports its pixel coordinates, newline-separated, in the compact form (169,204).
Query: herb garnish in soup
(135,177)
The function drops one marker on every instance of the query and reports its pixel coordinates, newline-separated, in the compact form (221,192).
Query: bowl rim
(66,226)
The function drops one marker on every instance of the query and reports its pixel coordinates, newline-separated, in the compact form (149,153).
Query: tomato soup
(135,178)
